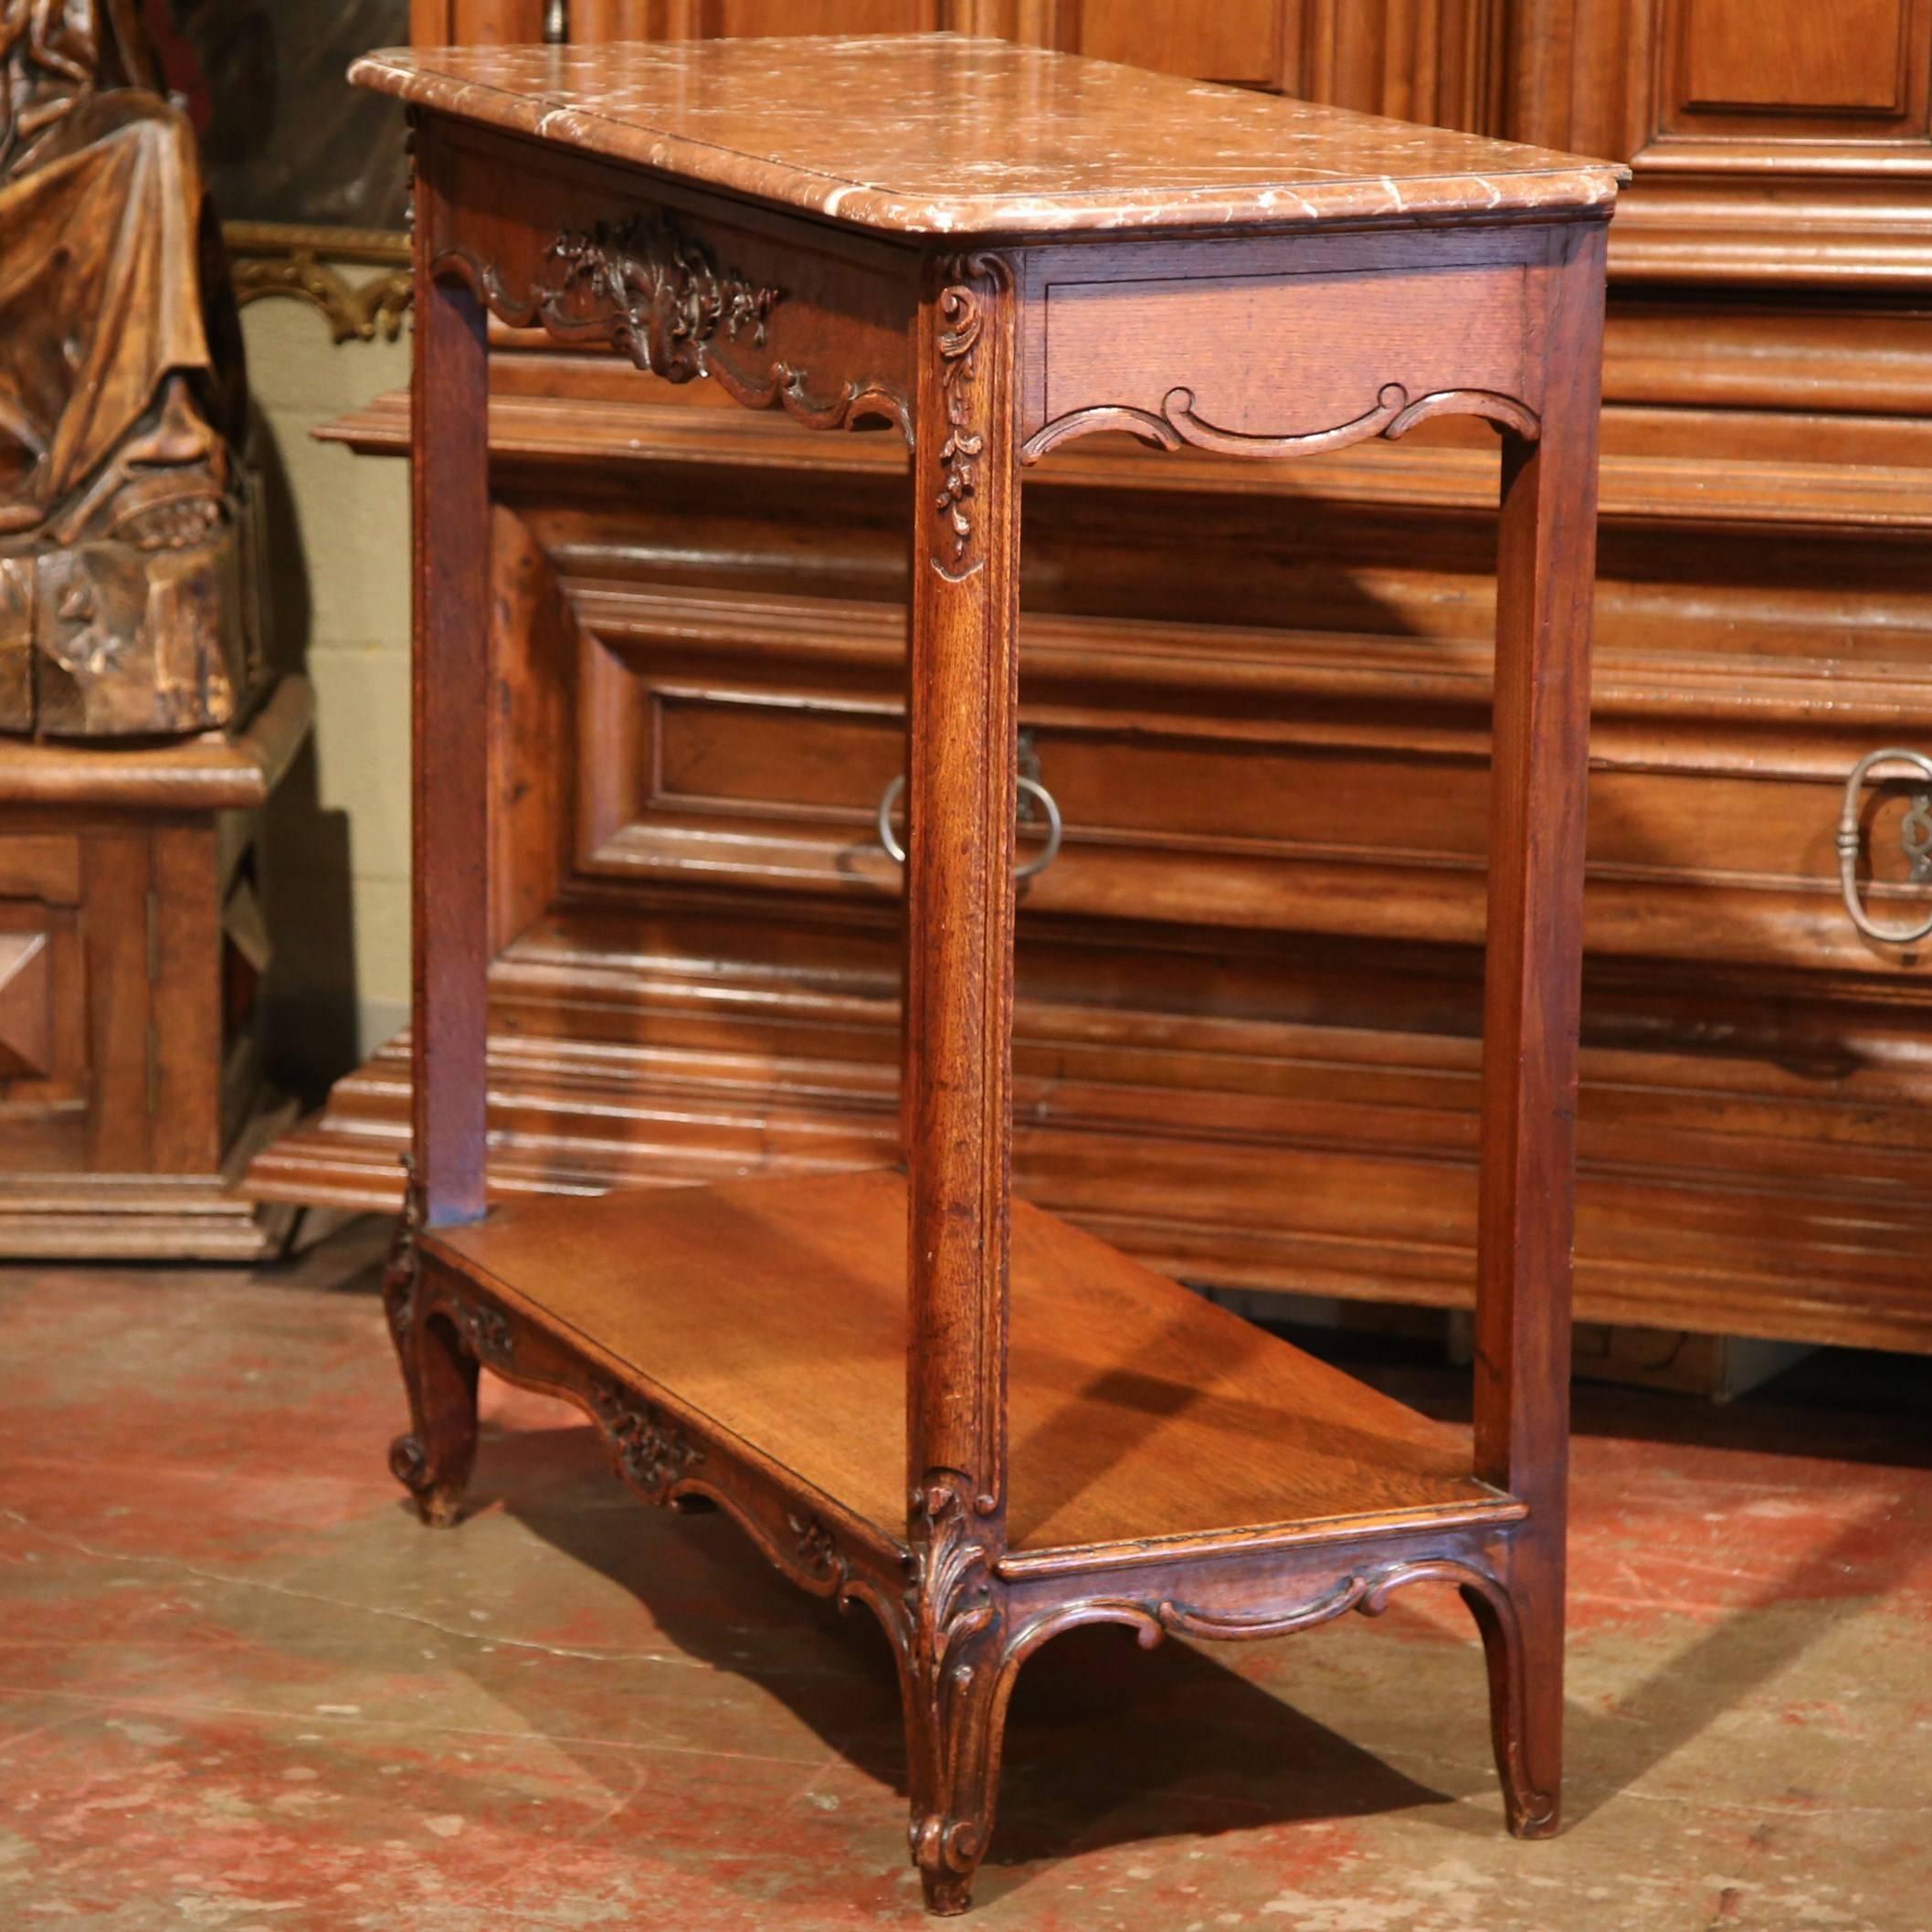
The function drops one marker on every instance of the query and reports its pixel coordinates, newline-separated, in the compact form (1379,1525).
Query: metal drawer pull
(1029,788)
(1915,835)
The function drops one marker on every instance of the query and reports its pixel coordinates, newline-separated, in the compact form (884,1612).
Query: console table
(913,1391)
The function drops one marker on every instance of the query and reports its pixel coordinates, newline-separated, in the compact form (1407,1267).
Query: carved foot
(946,1869)
(433,1460)
(954,1793)
(438,1502)
(955,1683)
(1518,1607)
(1525,1705)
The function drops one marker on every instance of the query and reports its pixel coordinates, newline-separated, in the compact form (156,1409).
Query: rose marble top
(941,134)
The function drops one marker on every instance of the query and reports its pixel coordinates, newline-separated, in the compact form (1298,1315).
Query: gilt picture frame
(310,175)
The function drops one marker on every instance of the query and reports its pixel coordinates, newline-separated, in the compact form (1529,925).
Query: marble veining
(946,134)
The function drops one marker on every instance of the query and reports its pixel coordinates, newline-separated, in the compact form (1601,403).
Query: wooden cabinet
(43,1011)
(1247,985)
(131,1090)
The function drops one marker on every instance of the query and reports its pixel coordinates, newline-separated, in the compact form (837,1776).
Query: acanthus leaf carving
(953,1641)
(653,290)
(816,1549)
(960,451)
(962,312)
(655,293)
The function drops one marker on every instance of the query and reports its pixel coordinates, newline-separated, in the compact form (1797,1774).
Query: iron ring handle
(1848,843)
(1031,788)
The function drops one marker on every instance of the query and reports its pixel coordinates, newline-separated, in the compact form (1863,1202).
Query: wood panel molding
(1773,70)
(1440,61)
(1776,1183)
(1657,465)
(27,1018)
(1819,179)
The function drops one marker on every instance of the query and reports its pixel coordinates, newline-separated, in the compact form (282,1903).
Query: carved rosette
(954,1633)
(652,1453)
(653,290)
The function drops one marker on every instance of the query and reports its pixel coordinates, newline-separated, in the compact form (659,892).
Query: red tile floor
(241,1690)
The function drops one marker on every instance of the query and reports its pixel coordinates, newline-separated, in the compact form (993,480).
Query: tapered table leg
(1546,566)
(450,440)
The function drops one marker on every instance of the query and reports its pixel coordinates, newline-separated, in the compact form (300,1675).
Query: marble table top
(942,134)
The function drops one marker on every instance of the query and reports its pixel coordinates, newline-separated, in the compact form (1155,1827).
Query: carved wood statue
(124,599)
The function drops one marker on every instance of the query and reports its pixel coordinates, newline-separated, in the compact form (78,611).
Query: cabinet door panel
(593,20)
(752,18)
(475,23)
(1782,68)
(43,1037)
(27,1004)
(1230,40)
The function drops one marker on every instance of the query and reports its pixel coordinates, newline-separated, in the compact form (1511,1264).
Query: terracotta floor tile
(242,1690)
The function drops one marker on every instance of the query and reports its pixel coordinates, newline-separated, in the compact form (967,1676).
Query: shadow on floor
(1112,1745)
(1109,1744)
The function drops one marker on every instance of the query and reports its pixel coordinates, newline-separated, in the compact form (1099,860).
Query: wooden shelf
(775,1311)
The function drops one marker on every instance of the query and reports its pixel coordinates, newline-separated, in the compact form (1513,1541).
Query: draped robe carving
(125,608)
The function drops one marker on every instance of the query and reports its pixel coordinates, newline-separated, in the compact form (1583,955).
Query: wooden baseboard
(149,1217)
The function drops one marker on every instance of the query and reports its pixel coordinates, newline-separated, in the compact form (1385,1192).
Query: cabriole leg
(1523,1646)
(433,1460)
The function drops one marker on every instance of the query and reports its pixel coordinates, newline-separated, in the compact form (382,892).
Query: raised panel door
(1237,40)
(1780,70)
(474,23)
(735,19)
(43,1004)
(1773,142)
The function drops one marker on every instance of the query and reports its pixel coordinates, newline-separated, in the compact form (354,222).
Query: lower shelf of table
(772,1313)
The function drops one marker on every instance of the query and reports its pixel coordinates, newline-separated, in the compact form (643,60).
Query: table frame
(1267,345)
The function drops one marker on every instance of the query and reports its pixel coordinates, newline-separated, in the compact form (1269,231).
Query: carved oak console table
(914,1392)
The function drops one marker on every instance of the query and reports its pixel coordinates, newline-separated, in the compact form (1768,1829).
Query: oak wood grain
(777,1309)
(963,687)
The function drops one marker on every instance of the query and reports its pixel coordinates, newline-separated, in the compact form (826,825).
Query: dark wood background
(1248,987)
